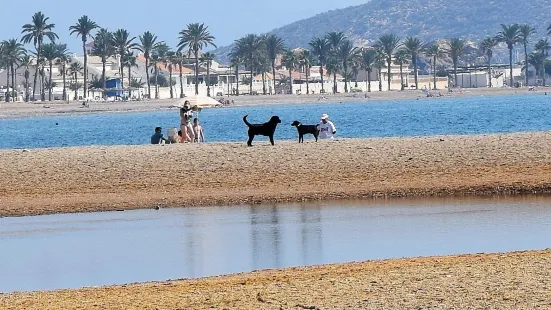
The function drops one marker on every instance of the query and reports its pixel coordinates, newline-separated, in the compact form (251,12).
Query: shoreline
(113,178)
(26,110)
(515,280)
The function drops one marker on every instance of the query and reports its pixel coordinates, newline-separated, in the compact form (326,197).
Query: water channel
(91,249)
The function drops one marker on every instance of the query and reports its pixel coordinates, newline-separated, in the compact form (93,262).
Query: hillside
(427,19)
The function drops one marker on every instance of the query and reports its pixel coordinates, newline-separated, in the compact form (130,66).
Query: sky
(227,20)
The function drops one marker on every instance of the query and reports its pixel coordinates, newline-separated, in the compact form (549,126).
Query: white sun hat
(324,116)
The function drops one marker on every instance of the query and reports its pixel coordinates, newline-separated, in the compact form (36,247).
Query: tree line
(335,53)
(49,53)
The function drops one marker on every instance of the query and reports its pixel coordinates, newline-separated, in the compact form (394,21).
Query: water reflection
(75,250)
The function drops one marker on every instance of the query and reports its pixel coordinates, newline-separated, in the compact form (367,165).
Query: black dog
(266,129)
(306,129)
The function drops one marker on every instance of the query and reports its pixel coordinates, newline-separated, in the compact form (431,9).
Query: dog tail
(246,122)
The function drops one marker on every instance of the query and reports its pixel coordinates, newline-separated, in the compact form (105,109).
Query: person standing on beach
(198,131)
(326,127)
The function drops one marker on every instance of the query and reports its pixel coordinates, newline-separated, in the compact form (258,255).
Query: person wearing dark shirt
(157,137)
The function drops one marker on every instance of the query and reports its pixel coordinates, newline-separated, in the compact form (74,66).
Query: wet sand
(519,280)
(21,109)
(100,178)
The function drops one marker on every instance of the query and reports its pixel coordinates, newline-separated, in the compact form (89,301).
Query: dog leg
(300,138)
(250,141)
(272,140)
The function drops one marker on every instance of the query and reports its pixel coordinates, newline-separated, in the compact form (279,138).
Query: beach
(36,109)
(102,178)
(520,280)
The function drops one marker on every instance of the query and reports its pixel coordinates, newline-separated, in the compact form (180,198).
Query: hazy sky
(227,19)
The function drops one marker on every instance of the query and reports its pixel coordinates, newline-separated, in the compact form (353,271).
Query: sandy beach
(21,109)
(519,280)
(99,178)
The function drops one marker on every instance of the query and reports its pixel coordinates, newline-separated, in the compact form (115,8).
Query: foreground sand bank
(81,179)
(16,110)
(519,280)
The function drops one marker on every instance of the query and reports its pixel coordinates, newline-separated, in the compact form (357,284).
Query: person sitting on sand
(157,137)
(326,127)
(198,131)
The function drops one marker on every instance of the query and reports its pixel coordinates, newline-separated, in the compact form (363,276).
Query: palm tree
(510,35)
(157,55)
(83,28)
(401,58)
(380,63)
(525,32)
(320,49)
(487,46)
(194,38)
(74,69)
(35,32)
(147,44)
(247,48)
(456,49)
(274,47)
(13,52)
(434,51)
(543,47)
(129,60)
(290,62)
(389,43)
(537,60)
(236,61)
(369,59)
(179,60)
(305,61)
(26,61)
(122,43)
(345,53)
(207,59)
(63,58)
(103,47)
(414,47)
(49,52)
(335,40)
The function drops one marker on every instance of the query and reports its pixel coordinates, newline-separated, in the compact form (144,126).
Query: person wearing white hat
(326,127)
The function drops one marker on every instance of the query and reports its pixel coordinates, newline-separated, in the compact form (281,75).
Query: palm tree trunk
(170,82)
(50,86)
(26,86)
(181,81)
(251,82)
(490,71)
(434,72)
(14,92)
(130,81)
(345,78)
(321,75)
(307,82)
(7,96)
(147,76)
(196,72)
(156,82)
(368,81)
(85,67)
(103,65)
(263,83)
(122,75)
(76,86)
(389,62)
(402,77)
(43,91)
(273,75)
(455,72)
(414,60)
(291,80)
(525,65)
(334,82)
(208,81)
(237,80)
(38,48)
(511,66)
(64,82)
(380,78)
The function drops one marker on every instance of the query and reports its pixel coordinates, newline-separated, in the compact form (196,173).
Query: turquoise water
(469,115)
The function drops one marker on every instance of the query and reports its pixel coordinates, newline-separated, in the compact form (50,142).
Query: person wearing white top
(326,127)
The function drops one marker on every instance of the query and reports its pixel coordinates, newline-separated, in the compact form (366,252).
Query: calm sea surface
(75,250)
(469,115)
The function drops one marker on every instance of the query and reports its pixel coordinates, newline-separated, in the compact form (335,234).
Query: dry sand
(499,281)
(80,179)
(16,110)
